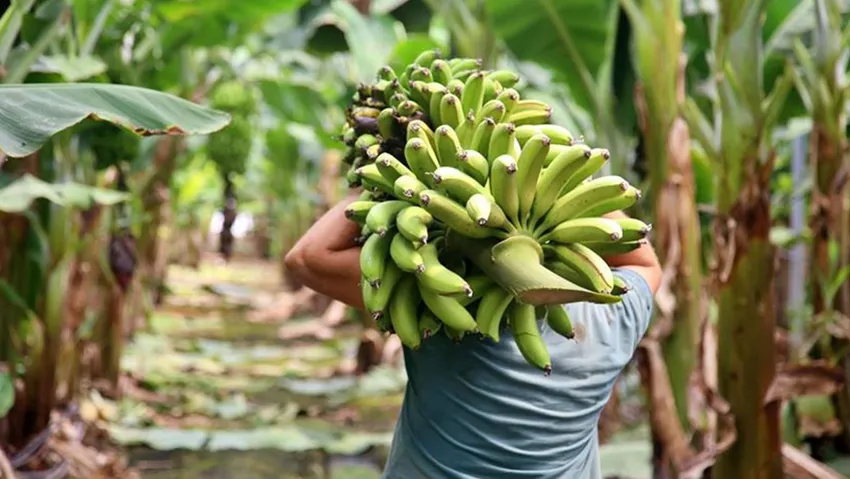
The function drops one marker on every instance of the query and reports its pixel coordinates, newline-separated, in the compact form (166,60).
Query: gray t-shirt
(478,410)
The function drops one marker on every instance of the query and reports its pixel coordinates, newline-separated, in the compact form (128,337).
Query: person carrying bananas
(478,411)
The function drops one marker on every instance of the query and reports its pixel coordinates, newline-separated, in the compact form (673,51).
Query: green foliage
(110,144)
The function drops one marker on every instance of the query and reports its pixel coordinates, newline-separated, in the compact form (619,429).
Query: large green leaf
(17,196)
(30,114)
(574,38)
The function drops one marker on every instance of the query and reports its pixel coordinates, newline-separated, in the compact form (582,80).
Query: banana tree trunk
(827,224)
(746,347)
(229,213)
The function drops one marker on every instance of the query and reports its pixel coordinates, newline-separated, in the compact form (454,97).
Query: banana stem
(516,265)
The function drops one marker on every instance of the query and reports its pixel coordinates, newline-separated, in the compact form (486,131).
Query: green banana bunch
(451,155)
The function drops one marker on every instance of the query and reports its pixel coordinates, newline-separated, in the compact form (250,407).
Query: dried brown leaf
(795,380)
(799,465)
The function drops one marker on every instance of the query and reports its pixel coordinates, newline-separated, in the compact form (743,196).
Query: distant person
(479,410)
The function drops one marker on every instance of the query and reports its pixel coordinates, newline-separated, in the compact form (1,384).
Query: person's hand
(642,260)
(327,258)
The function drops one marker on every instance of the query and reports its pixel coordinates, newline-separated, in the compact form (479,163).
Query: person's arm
(327,258)
(643,260)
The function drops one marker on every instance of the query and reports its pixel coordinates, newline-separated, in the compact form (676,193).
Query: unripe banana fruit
(477,213)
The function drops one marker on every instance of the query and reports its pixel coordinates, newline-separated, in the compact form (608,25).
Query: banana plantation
(161,160)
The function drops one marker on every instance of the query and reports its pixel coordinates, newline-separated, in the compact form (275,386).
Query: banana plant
(821,80)
(35,136)
(739,142)
(659,61)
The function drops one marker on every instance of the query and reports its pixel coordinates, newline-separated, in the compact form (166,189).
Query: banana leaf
(17,196)
(31,114)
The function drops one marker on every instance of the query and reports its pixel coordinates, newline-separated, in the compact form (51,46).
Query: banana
(475,165)
(530,117)
(382,216)
(598,157)
(420,129)
(617,203)
(481,137)
(529,164)
(491,311)
(553,177)
(457,184)
(397,99)
(448,145)
(392,89)
(583,198)
(506,78)
(429,325)
(466,129)
(503,185)
(527,335)
(421,159)
(633,229)
(365,141)
(387,125)
(620,286)
(473,93)
(451,111)
(558,134)
(403,313)
(455,335)
(391,168)
(559,320)
(357,211)
(438,278)
(455,87)
(366,195)
(410,107)
(493,109)
(408,187)
(502,140)
(583,230)
(386,72)
(437,95)
(373,258)
(530,105)
(613,249)
(448,310)
(570,274)
(484,211)
(509,97)
(441,71)
(413,224)
(480,284)
(376,302)
(583,260)
(372,152)
(405,256)
(422,74)
(373,178)
(427,57)
(492,89)
(453,215)
(466,64)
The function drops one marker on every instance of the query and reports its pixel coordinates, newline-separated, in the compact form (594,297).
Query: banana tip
(420,268)
(547,370)
(616,236)
(468,290)
(376,315)
(482,222)
(425,199)
(375,283)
